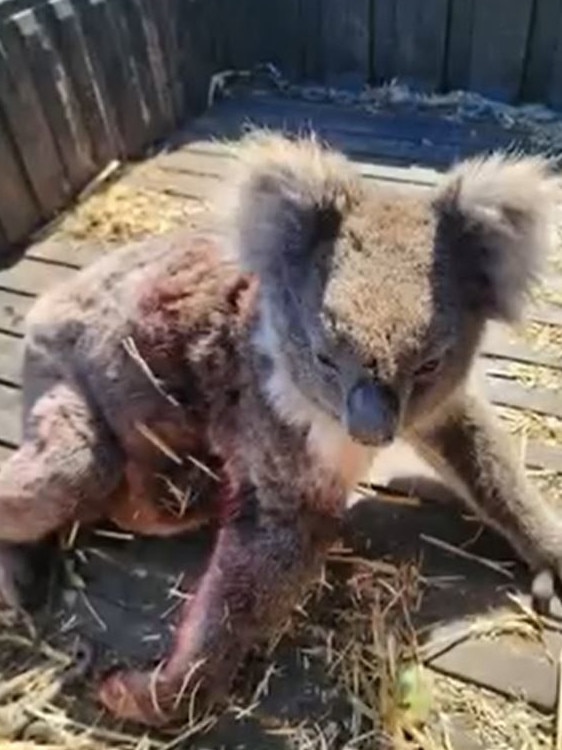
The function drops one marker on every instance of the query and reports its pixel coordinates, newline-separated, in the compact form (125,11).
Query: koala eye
(325,361)
(428,368)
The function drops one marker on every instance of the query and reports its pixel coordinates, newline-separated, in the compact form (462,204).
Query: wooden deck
(409,151)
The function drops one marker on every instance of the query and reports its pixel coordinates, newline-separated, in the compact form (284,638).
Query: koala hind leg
(468,445)
(65,471)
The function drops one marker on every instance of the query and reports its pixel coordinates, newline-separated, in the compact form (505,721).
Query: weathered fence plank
(383,48)
(103,34)
(241,22)
(19,212)
(346,32)
(130,15)
(286,41)
(405,38)
(312,51)
(499,46)
(10,408)
(431,40)
(58,98)
(200,52)
(66,29)
(136,99)
(457,65)
(555,81)
(4,244)
(28,124)
(164,35)
(155,53)
(540,49)
(409,41)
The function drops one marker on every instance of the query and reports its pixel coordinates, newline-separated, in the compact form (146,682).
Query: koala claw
(542,591)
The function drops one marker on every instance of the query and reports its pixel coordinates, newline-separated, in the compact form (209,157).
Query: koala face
(373,332)
(373,303)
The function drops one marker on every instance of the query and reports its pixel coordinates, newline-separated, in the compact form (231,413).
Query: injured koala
(321,320)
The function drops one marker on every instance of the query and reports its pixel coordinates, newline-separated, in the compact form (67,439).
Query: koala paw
(151,697)
(123,694)
(140,697)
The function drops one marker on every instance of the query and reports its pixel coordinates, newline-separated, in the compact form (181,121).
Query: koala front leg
(468,444)
(258,572)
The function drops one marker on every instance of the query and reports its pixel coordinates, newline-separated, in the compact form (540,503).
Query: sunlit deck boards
(406,151)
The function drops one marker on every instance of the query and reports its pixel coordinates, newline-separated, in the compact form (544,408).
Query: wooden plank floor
(406,151)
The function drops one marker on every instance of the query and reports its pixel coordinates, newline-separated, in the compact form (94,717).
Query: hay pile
(121,213)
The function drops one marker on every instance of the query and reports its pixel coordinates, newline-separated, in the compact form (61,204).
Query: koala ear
(285,198)
(495,222)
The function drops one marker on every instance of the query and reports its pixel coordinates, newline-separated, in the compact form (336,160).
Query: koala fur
(259,367)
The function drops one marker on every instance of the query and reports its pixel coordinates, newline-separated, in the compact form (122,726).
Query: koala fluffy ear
(284,199)
(495,222)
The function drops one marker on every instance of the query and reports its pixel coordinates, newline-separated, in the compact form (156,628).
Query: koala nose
(371,413)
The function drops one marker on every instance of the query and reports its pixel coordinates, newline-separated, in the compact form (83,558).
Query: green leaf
(414,693)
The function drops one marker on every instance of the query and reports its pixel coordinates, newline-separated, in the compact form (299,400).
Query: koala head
(372,302)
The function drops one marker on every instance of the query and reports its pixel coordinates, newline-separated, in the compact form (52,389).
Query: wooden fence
(506,49)
(83,82)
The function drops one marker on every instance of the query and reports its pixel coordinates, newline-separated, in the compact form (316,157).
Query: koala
(255,368)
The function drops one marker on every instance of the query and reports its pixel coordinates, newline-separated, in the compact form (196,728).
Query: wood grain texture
(11,359)
(156,52)
(13,309)
(459,44)
(311,23)
(419,35)
(346,37)
(383,40)
(509,393)
(499,46)
(500,343)
(286,41)
(66,252)
(102,26)
(215,160)
(541,47)
(167,20)
(19,211)
(66,29)
(201,42)
(58,98)
(501,666)
(28,124)
(33,277)
(134,98)
(136,52)
(10,409)
(555,80)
